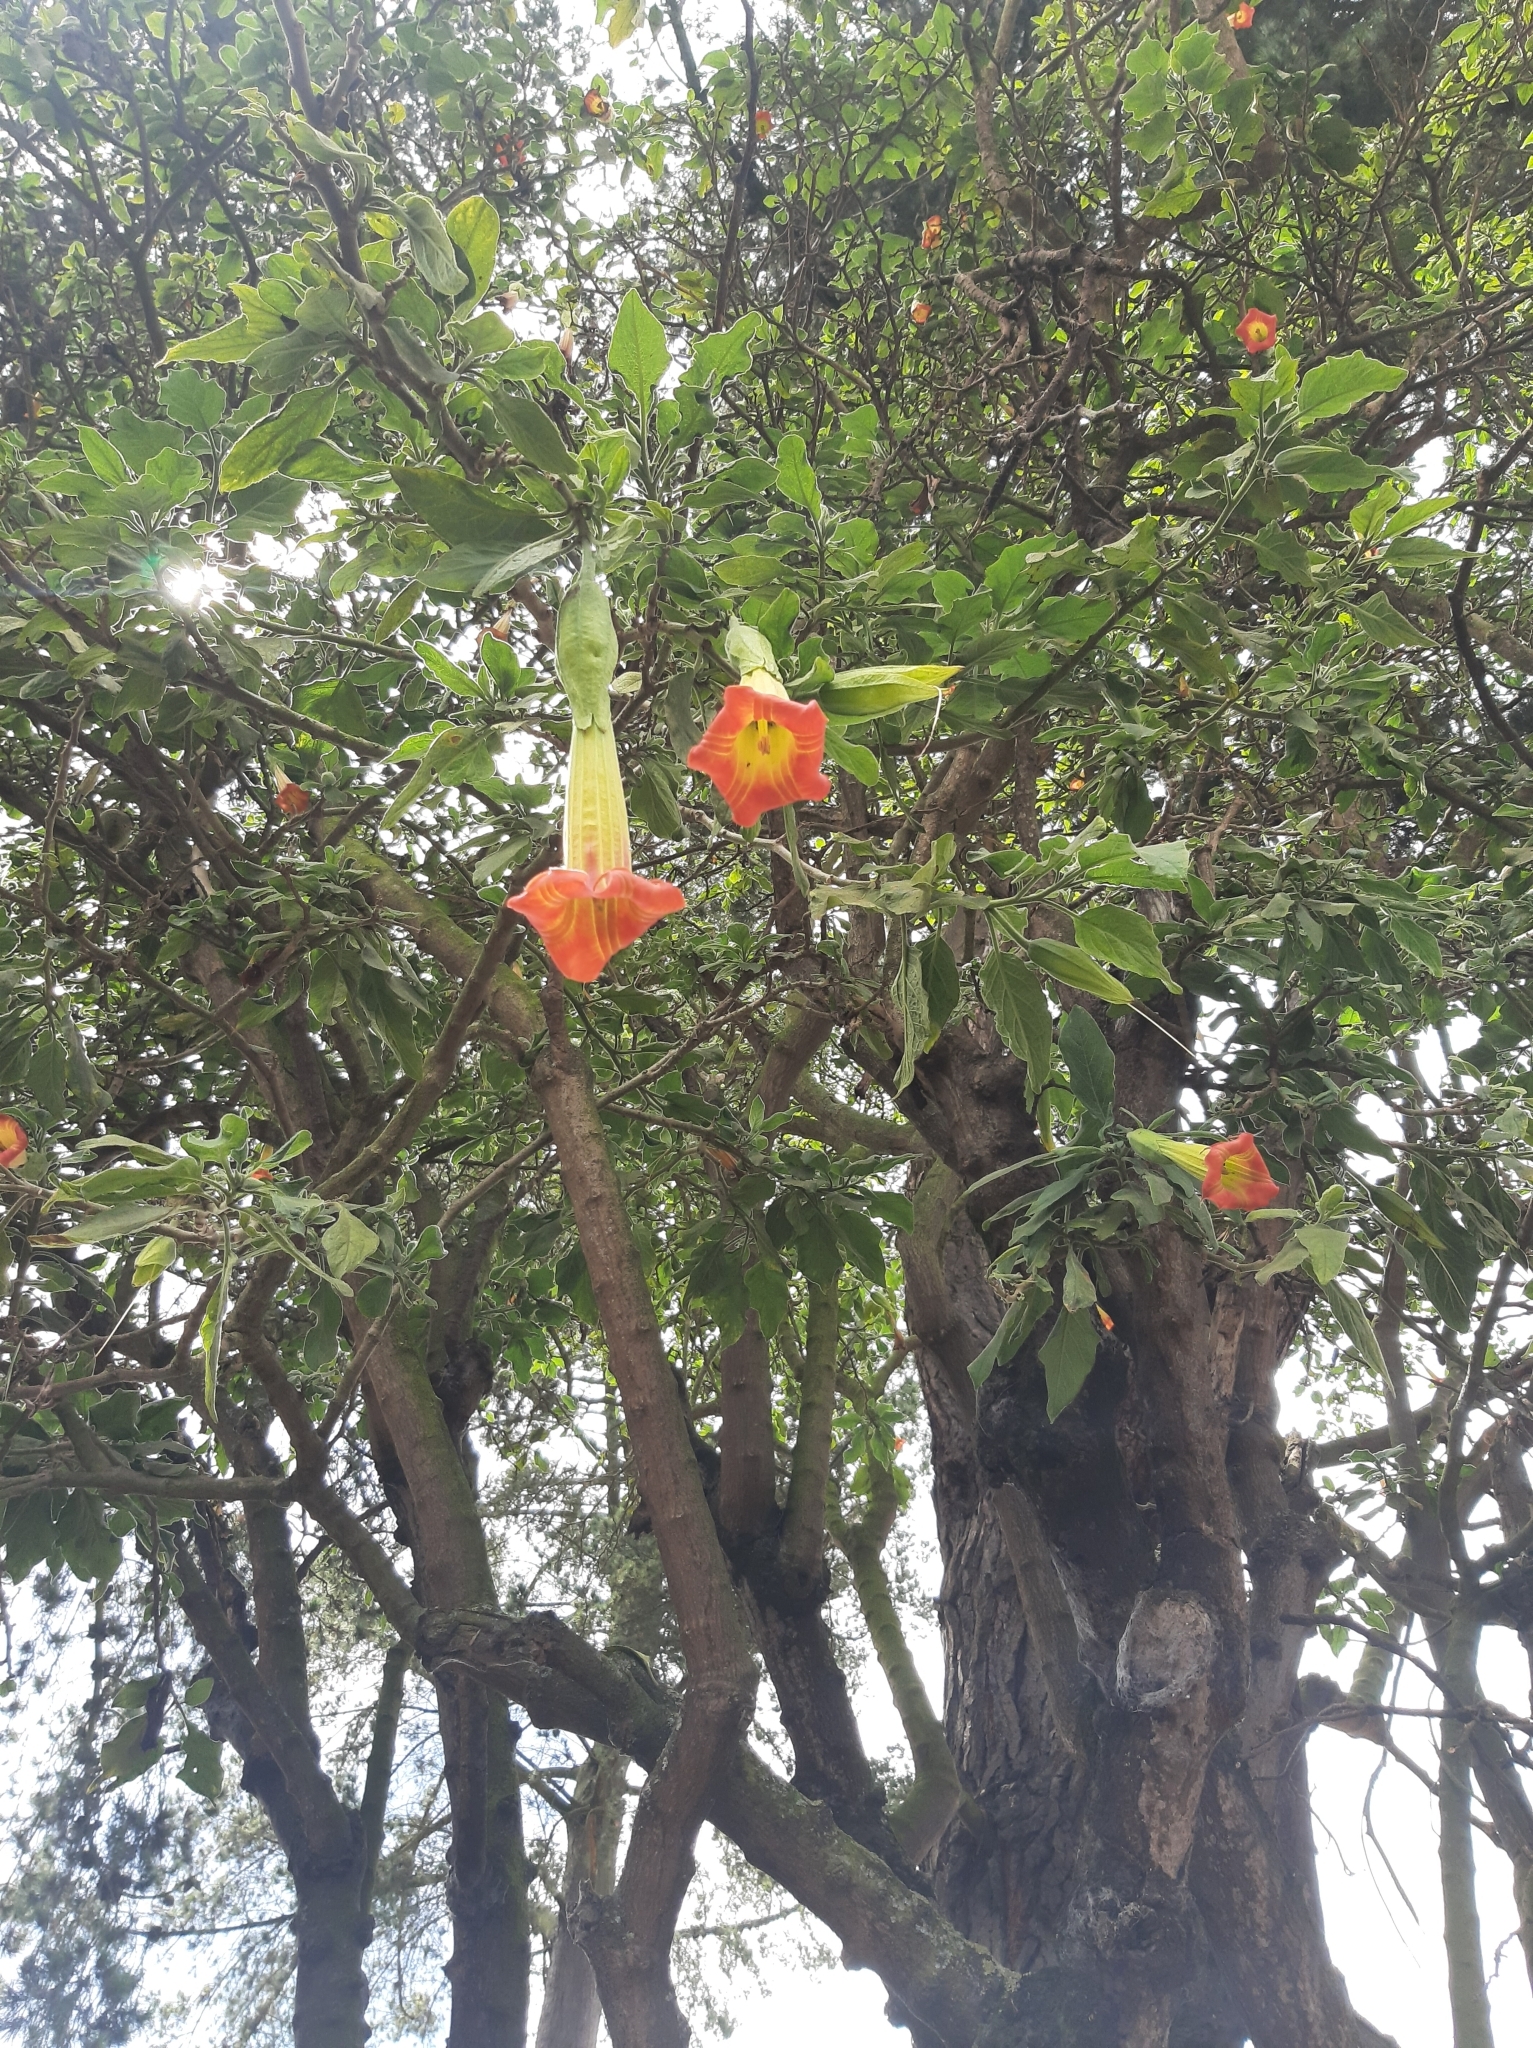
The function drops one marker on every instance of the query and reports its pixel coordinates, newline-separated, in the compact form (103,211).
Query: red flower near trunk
(584,919)
(1257,330)
(1243,16)
(1235,1175)
(13,1141)
(763,751)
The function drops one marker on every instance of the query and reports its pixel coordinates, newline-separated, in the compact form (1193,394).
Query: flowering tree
(1019,520)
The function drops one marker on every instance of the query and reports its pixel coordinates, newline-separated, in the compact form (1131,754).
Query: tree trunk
(571,2012)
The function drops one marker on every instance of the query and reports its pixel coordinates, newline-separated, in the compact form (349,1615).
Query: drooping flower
(13,1141)
(763,123)
(292,798)
(931,234)
(594,905)
(1235,1175)
(1257,331)
(598,106)
(921,312)
(1243,15)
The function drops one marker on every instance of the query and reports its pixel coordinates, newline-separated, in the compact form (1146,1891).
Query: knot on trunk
(1167,1649)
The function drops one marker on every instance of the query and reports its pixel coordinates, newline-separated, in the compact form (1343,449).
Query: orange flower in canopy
(13,1141)
(1257,330)
(931,234)
(584,919)
(292,798)
(1235,1175)
(1243,16)
(763,123)
(597,105)
(921,312)
(763,751)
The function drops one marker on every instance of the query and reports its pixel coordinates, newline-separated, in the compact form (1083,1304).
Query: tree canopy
(720,798)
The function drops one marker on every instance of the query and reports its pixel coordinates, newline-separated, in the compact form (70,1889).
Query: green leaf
(862,693)
(1079,1288)
(720,356)
(1281,550)
(473,228)
(534,436)
(859,1239)
(1122,938)
(484,333)
(1419,942)
(347,1243)
(625,16)
(125,1758)
(795,475)
(1356,1326)
(109,1224)
(1324,468)
(1089,1061)
(1011,1334)
(1068,1353)
(1076,970)
(637,352)
(157,1256)
(192,399)
(469,515)
(1015,997)
(232,343)
(939,977)
(910,994)
(262,451)
(202,1766)
(430,245)
(1342,382)
(1327,1250)
(766,1288)
(1403,1216)
(861,763)
(102,456)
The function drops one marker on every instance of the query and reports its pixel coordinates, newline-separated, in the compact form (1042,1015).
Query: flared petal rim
(1236,1176)
(584,919)
(763,751)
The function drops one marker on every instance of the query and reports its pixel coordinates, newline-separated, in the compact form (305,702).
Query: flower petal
(583,920)
(763,751)
(1237,1176)
(13,1141)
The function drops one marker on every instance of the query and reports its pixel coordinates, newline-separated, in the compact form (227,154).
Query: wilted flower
(931,234)
(13,1141)
(1257,330)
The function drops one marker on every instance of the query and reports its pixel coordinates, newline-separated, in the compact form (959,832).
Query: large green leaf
(473,228)
(1068,1353)
(1021,1010)
(262,451)
(470,515)
(1342,382)
(1089,1061)
(1077,970)
(638,353)
(1121,938)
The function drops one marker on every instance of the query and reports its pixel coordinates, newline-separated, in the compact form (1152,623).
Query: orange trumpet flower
(1235,1175)
(13,1141)
(292,798)
(1257,331)
(921,312)
(762,750)
(1243,15)
(594,905)
(763,123)
(598,106)
(931,234)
